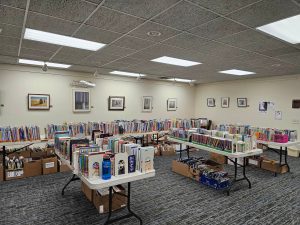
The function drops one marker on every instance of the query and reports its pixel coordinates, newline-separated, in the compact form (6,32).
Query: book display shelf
(233,157)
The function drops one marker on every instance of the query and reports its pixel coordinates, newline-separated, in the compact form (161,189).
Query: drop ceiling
(220,34)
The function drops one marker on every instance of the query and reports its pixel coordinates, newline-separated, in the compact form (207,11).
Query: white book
(147,159)
(121,163)
(95,165)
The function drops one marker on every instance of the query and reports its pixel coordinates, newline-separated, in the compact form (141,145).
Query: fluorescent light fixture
(41,63)
(175,61)
(129,74)
(287,29)
(181,80)
(57,39)
(237,72)
(87,83)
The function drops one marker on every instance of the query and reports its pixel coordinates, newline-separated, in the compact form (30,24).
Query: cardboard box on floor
(32,167)
(181,168)
(16,174)
(63,167)
(221,159)
(49,165)
(272,165)
(1,172)
(38,154)
(168,150)
(87,191)
(102,202)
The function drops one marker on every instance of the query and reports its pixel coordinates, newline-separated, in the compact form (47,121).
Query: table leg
(285,159)
(72,179)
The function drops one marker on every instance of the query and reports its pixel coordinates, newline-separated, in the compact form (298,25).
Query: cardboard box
(16,174)
(49,165)
(254,162)
(102,202)
(38,154)
(1,172)
(272,165)
(63,167)
(33,168)
(239,161)
(181,168)
(214,165)
(87,191)
(293,152)
(25,154)
(168,151)
(221,159)
(50,152)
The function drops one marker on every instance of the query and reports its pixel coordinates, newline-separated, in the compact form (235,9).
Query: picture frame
(296,104)
(225,102)
(147,103)
(38,101)
(172,104)
(116,103)
(242,102)
(211,102)
(81,100)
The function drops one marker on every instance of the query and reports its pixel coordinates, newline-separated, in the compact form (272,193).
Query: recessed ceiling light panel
(175,61)
(236,72)
(57,39)
(287,29)
(181,80)
(129,74)
(41,63)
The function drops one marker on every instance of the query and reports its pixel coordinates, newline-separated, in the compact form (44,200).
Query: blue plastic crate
(214,183)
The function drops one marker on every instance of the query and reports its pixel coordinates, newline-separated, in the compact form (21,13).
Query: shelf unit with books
(233,157)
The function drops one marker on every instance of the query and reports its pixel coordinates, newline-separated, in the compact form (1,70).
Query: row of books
(17,134)
(122,127)
(264,134)
(135,158)
(230,143)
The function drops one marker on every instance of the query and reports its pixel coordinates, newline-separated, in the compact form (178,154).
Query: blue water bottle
(106,168)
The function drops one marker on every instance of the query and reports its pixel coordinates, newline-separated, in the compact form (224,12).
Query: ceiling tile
(141,8)
(33,57)
(166,32)
(7,59)
(223,6)
(95,1)
(97,34)
(253,40)
(218,28)
(291,58)
(133,43)
(9,41)
(187,41)
(36,52)
(14,3)
(11,30)
(114,21)
(86,69)
(280,51)
(185,16)
(98,59)
(74,10)
(116,50)
(11,15)
(265,12)
(130,61)
(116,66)
(50,24)
(39,45)
(8,50)
(71,55)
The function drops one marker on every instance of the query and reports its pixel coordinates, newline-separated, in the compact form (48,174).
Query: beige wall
(17,81)
(280,90)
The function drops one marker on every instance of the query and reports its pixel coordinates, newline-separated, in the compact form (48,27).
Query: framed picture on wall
(172,104)
(225,102)
(38,102)
(211,102)
(147,103)
(241,102)
(116,103)
(81,100)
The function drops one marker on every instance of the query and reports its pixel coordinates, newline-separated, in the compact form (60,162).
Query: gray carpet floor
(167,198)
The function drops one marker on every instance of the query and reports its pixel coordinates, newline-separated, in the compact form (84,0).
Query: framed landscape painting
(81,100)
(147,104)
(38,102)
(116,103)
